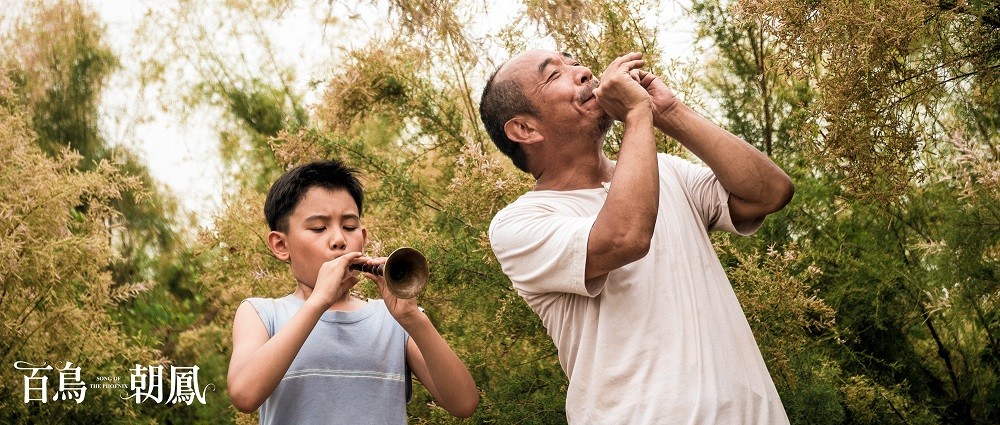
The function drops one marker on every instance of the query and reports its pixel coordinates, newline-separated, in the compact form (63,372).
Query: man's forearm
(742,169)
(623,229)
(635,185)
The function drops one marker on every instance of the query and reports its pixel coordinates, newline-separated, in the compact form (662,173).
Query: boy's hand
(334,280)
(401,309)
(619,91)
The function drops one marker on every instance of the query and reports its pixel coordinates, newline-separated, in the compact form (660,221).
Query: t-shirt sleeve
(543,251)
(708,197)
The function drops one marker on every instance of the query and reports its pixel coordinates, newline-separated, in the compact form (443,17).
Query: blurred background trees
(873,295)
(88,229)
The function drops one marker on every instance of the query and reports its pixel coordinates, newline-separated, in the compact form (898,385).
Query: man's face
(324,225)
(560,89)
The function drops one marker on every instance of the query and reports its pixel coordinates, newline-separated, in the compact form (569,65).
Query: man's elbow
(638,250)
(610,251)
(783,192)
(633,247)
(772,196)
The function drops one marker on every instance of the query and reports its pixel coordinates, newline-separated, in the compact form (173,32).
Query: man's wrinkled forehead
(531,61)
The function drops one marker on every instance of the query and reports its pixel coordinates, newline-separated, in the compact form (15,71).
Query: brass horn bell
(405,272)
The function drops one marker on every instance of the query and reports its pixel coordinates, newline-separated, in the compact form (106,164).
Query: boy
(320,355)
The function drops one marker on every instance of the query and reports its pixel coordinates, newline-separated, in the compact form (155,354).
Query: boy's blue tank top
(350,370)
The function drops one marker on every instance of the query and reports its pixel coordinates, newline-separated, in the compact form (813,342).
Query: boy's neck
(346,303)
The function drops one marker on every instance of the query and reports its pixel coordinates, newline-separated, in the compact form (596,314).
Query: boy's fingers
(351,258)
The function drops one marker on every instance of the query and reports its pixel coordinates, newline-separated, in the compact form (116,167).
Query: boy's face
(324,225)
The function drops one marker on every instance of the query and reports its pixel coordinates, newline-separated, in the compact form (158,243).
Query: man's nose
(584,75)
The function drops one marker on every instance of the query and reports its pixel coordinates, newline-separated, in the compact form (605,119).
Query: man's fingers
(626,57)
(631,56)
(624,60)
(645,78)
(634,64)
(628,66)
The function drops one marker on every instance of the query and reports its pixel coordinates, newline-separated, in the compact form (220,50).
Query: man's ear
(523,128)
(279,247)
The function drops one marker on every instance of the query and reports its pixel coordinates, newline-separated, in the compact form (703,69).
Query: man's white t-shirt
(660,340)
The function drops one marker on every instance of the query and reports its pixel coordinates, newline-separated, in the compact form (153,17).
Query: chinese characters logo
(146,383)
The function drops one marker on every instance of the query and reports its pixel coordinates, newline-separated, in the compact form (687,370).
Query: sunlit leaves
(879,69)
(56,293)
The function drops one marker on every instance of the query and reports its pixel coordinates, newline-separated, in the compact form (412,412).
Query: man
(614,256)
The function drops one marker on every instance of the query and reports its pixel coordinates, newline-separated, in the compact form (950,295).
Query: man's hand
(663,98)
(619,92)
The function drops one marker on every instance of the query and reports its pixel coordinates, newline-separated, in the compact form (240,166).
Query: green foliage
(884,73)
(57,295)
(260,114)
(889,111)
(59,63)
(237,72)
(762,101)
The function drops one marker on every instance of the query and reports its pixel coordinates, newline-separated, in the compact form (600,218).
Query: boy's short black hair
(288,190)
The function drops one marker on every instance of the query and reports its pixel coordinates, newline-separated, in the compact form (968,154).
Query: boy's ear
(523,128)
(276,242)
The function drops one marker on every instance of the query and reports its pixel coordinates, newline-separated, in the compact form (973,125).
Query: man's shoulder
(673,161)
(552,200)
(538,204)
(526,202)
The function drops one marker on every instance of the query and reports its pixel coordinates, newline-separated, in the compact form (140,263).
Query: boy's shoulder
(263,299)
(263,303)
(272,311)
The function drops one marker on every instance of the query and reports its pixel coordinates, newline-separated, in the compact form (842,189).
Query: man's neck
(579,172)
